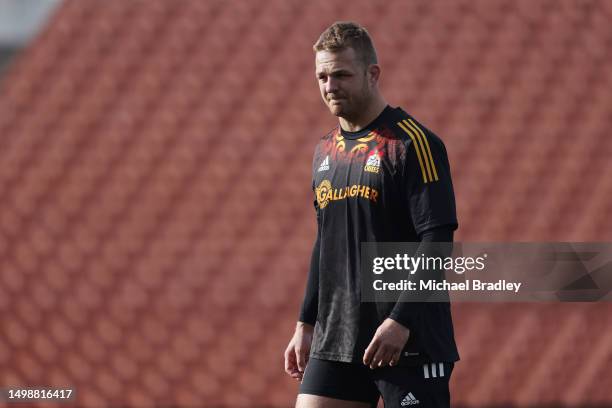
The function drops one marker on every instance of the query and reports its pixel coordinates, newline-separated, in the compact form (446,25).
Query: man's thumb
(301,359)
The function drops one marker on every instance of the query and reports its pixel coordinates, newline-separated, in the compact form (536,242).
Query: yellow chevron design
(367,137)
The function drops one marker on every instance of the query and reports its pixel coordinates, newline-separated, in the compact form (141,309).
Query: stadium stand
(156,218)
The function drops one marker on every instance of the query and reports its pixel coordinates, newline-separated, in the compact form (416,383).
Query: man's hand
(386,345)
(298,350)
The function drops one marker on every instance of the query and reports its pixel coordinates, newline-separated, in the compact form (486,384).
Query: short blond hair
(344,34)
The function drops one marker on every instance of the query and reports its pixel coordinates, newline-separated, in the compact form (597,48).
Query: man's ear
(374,73)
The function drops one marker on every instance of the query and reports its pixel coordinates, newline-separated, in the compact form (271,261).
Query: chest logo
(324,164)
(326,193)
(323,193)
(373,163)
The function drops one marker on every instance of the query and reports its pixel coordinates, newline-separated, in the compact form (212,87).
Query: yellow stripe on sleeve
(423,151)
(416,148)
(433,166)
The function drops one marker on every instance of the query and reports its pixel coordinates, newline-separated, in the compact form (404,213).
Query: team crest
(373,163)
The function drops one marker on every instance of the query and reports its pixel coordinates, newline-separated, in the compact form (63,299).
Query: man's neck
(356,124)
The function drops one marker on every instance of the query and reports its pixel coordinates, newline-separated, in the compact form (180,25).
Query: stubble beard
(353,110)
(336,110)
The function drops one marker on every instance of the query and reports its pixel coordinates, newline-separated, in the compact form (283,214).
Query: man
(380,176)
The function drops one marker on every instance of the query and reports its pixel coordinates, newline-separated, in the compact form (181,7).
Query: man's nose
(331,86)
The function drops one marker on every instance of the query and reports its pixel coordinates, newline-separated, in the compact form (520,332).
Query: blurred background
(156,215)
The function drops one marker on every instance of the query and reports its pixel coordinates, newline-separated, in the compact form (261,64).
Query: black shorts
(422,386)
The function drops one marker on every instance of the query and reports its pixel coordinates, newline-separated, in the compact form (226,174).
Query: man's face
(343,82)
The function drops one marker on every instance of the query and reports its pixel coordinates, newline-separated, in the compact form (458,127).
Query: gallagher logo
(326,193)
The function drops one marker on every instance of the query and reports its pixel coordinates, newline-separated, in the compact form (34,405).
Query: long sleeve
(310,305)
(410,314)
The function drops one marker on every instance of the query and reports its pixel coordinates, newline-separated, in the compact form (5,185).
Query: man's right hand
(298,350)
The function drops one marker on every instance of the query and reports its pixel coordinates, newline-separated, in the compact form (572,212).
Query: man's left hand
(386,345)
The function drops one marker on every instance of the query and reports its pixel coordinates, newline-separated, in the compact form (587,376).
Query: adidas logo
(324,164)
(409,400)
(373,163)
